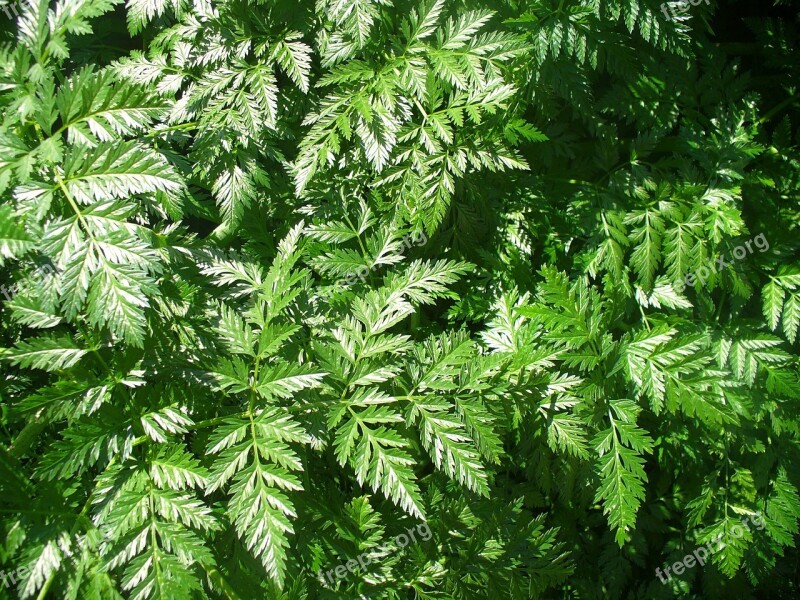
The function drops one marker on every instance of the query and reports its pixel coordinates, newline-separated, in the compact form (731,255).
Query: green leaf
(620,467)
(14,241)
(773,303)
(50,353)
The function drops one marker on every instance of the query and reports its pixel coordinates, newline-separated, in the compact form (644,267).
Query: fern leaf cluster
(284,282)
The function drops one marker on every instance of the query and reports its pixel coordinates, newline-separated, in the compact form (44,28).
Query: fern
(398,298)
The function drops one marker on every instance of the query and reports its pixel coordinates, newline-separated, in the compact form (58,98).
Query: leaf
(253,454)
(48,352)
(449,446)
(773,303)
(621,467)
(284,380)
(294,57)
(95,107)
(27,311)
(118,170)
(791,317)
(117,299)
(14,241)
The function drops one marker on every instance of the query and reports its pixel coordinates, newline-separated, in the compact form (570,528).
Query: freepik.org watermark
(41,271)
(25,577)
(365,559)
(18,574)
(682,6)
(702,553)
(409,241)
(11,10)
(703,273)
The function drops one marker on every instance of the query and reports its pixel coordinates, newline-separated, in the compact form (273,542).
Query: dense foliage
(285,280)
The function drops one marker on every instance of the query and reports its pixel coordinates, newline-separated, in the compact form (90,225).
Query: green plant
(226,371)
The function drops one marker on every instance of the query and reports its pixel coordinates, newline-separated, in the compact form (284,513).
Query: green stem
(27,436)
(81,517)
(74,205)
(778,109)
(644,317)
